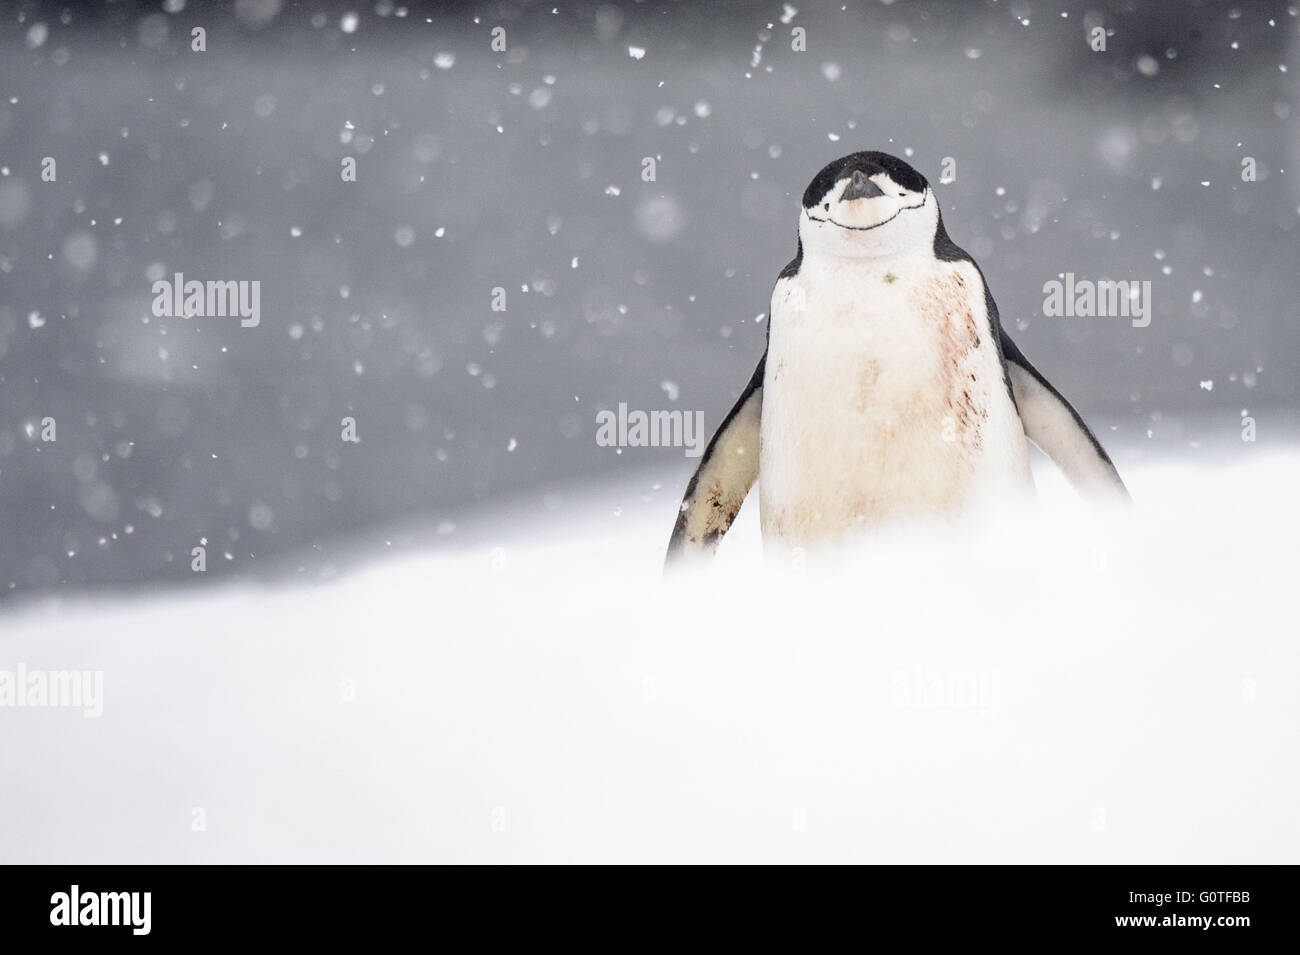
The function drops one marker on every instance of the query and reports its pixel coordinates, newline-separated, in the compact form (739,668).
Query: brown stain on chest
(945,303)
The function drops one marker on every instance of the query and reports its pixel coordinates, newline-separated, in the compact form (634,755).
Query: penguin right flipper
(1052,423)
(727,471)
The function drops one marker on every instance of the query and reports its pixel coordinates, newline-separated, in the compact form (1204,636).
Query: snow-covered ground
(1053,687)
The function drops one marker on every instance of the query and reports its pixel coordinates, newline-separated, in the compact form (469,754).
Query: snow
(1056,686)
(1051,686)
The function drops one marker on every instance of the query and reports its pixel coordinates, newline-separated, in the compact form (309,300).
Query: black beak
(860,187)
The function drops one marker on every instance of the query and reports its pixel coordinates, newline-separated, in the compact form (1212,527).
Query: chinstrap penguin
(888,389)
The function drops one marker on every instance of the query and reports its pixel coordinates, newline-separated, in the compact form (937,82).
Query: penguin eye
(826,206)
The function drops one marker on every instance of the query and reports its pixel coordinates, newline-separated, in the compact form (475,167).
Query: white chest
(883,398)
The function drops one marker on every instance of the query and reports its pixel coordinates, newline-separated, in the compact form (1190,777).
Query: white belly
(883,400)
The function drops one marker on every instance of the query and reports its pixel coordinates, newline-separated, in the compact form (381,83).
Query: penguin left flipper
(1057,429)
(727,471)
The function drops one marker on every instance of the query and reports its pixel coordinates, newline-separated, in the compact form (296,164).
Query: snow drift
(1054,688)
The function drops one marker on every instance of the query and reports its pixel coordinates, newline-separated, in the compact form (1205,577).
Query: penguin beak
(860,187)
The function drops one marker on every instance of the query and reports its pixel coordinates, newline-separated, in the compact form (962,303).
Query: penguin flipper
(728,469)
(1052,423)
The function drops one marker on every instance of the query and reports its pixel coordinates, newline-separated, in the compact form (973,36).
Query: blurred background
(520,169)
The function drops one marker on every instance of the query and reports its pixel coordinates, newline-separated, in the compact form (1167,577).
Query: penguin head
(868,204)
